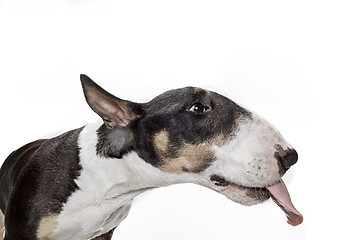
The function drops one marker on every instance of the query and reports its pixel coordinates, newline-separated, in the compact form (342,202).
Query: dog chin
(244,195)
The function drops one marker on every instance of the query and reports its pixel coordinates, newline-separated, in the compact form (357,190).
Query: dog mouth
(253,195)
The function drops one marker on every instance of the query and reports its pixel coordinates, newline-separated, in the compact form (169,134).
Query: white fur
(248,159)
(107,187)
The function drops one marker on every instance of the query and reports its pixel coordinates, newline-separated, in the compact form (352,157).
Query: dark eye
(199,108)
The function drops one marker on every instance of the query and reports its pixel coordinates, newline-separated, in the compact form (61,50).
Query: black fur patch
(170,112)
(106,236)
(114,142)
(42,187)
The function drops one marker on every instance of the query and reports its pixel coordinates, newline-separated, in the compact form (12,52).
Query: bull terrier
(81,184)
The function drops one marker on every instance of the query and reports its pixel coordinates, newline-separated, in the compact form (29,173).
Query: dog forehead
(178,98)
(174,97)
(174,106)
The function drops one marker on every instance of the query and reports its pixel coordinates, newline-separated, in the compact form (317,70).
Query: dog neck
(127,173)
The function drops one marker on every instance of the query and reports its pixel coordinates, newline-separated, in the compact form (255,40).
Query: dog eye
(199,108)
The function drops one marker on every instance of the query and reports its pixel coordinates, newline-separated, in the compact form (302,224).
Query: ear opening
(114,111)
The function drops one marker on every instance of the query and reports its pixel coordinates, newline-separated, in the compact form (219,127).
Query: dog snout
(287,157)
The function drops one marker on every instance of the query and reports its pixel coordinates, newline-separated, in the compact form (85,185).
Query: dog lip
(254,192)
(223,182)
(219,181)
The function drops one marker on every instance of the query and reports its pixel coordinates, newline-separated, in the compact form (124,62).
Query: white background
(295,63)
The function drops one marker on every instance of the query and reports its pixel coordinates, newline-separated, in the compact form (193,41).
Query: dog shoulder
(40,177)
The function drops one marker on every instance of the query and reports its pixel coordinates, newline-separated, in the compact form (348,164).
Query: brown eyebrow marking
(197,89)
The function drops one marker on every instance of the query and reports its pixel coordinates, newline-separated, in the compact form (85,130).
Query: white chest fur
(107,187)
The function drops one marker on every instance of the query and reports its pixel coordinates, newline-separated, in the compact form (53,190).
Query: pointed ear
(114,111)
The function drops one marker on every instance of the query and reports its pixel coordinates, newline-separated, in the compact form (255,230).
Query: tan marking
(201,90)
(47,227)
(192,157)
(161,140)
(2,225)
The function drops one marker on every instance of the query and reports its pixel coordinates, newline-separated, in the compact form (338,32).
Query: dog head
(195,131)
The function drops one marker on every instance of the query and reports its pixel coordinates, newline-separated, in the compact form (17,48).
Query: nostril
(289,158)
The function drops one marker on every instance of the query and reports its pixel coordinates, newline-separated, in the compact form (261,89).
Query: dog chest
(100,203)
(90,221)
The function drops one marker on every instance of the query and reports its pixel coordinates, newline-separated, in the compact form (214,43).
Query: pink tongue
(281,197)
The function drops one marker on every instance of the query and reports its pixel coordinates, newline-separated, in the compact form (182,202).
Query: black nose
(290,158)
(286,157)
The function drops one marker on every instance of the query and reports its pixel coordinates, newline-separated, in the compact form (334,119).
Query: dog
(80,185)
